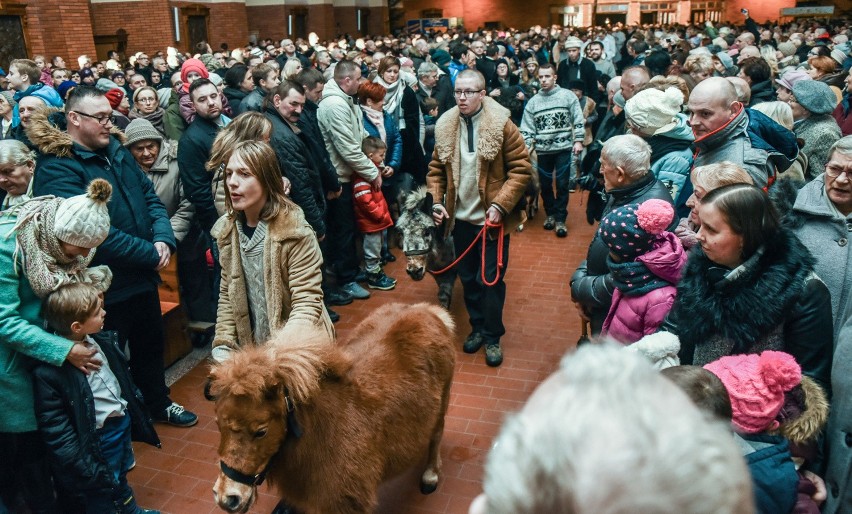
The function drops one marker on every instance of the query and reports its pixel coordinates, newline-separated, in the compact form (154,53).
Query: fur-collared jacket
(504,163)
(773,301)
(292,272)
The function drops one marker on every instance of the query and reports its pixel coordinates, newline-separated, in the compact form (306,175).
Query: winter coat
(371,210)
(297,165)
(292,269)
(773,473)
(66,419)
(632,317)
(253,101)
(165,175)
(768,135)
(393,140)
(175,124)
(138,217)
(453,70)
(312,136)
(588,74)
(838,476)
(818,132)
(409,133)
(672,167)
(343,131)
(193,151)
(235,97)
(827,237)
(442,93)
(773,301)
(504,164)
(22,338)
(591,283)
(843,115)
(762,92)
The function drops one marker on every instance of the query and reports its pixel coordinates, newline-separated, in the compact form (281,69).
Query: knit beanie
(631,230)
(725,59)
(105,85)
(756,385)
(10,97)
(618,99)
(441,57)
(787,48)
(210,62)
(117,74)
(115,96)
(815,96)
(86,73)
(790,78)
(193,65)
(83,220)
(839,56)
(653,111)
(216,79)
(140,129)
(65,87)
(573,42)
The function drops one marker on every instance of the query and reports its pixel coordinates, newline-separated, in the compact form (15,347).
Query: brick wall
(268,21)
(227,23)
(149,24)
(59,27)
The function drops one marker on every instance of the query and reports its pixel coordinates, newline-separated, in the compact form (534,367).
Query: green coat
(21,337)
(175,125)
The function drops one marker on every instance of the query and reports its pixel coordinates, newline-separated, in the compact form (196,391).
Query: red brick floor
(541,326)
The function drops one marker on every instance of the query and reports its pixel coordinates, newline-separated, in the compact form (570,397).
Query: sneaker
(337,296)
(387,257)
(549,223)
(493,354)
(361,276)
(473,343)
(335,317)
(379,280)
(176,415)
(561,229)
(355,291)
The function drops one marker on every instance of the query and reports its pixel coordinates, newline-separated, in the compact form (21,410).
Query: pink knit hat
(756,385)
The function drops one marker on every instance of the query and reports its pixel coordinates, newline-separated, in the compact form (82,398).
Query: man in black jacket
(140,240)
(194,150)
(626,170)
(576,67)
(433,84)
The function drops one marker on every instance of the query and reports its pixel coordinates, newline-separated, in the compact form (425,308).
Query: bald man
(742,88)
(632,80)
(720,124)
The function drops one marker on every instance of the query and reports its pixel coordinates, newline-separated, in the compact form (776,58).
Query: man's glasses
(465,94)
(102,120)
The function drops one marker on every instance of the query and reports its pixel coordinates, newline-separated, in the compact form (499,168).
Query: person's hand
(387,172)
(84,359)
(439,214)
(287,185)
(493,215)
(578,148)
(821,493)
(377,183)
(581,311)
(331,195)
(165,254)
(520,95)
(495,93)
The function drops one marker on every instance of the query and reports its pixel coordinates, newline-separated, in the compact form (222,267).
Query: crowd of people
(717,161)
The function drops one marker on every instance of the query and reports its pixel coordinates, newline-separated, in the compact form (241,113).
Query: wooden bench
(177,344)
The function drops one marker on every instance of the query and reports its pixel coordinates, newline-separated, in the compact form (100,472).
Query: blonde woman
(270,257)
(782,113)
(291,68)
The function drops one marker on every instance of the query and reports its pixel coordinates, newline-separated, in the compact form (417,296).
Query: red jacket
(843,116)
(371,209)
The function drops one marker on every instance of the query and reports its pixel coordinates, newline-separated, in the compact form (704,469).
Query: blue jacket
(137,216)
(672,168)
(767,135)
(46,93)
(453,69)
(393,140)
(773,473)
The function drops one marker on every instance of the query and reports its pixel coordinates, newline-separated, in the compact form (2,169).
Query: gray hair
(607,434)
(629,152)
(16,153)
(842,145)
(426,68)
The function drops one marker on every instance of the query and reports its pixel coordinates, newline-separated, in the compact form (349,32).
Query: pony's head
(417,231)
(257,394)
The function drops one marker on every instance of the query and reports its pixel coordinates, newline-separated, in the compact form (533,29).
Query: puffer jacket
(371,210)
(343,131)
(773,473)
(672,167)
(65,409)
(632,317)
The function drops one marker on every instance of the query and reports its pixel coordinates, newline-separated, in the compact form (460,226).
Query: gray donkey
(424,244)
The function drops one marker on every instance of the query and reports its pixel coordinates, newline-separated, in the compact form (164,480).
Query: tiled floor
(541,325)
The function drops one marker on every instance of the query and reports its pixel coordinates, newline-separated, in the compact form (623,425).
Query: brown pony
(328,423)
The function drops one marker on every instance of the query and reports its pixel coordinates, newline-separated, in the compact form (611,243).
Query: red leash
(483,234)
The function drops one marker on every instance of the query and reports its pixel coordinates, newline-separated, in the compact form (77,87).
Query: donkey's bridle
(294,431)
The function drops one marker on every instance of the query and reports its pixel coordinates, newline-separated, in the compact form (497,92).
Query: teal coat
(21,337)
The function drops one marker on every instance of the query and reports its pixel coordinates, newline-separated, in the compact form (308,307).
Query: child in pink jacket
(645,262)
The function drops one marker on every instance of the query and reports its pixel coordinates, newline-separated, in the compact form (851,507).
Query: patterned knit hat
(631,230)
(83,220)
(573,42)
(756,385)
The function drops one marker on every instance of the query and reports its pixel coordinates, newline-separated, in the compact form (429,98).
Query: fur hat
(653,111)
(115,96)
(790,78)
(140,129)
(573,42)
(757,385)
(815,96)
(83,220)
(631,230)
(787,48)
(660,348)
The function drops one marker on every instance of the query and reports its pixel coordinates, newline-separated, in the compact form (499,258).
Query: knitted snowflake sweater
(553,121)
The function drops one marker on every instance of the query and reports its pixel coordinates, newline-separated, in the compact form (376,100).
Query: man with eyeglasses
(478,175)
(143,67)
(140,241)
(433,83)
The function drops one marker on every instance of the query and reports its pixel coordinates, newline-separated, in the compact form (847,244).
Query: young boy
(429,107)
(85,419)
(372,217)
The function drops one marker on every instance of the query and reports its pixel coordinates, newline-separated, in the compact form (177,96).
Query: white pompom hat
(652,111)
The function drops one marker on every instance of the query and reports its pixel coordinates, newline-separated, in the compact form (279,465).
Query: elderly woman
(17,163)
(697,68)
(45,243)
(750,286)
(7,111)
(270,257)
(401,103)
(812,104)
(824,69)
(146,106)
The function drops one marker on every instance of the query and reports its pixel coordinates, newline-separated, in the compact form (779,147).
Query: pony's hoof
(428,488)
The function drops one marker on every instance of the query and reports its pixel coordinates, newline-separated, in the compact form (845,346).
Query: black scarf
(663,145)
(634,278)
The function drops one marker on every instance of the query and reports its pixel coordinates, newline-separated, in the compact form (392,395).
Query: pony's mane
(297,363)
(414,198)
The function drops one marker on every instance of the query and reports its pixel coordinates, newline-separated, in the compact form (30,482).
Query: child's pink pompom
(780,370)
(655,216)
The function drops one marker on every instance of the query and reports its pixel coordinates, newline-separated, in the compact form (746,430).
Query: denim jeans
(118,452)
(556,165)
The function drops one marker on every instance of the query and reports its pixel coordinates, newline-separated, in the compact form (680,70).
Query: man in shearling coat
(479,173)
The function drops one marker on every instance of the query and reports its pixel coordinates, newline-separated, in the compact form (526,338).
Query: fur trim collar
(46,131)
(745,309)
(809,425)
(493,119)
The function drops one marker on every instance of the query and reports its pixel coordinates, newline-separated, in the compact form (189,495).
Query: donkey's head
(417,231)
(257,393)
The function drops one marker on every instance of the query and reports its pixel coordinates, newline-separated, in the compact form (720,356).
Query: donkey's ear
(428,201)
